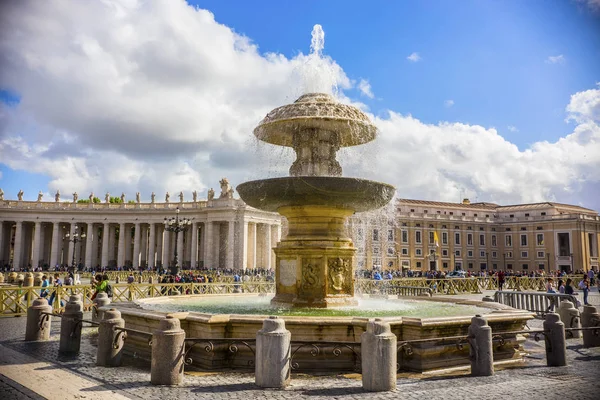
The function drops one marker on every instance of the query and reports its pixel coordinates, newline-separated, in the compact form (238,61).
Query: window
(418,264)
(524,254)
(457,253)
(481,228)
(523,228)
(404,236)
(451,213)
(508,266)
(458,265)
(445,253)
(525,266)
(511,215)
(405,251)
(482,266)
(457,238)
(470,253)
(444,237)
(417,225)
(418,237)
(425,212)
(539,228)
(463,214)
(482,240)
(418,252)
(391,251)
(456,227)
(527,214)
(494,254)
(376,250)
(412,210)
(482,254)
(360,234)
(564,245)
(431,237)
(509,254)
(445,265)
(524,240)
(494,241)
(541,254)
(431,226)
(543,213)
(469,228)
(539,239)
(470,265)
(469,239)
(405,263)
(495,266)
(404,224)
(444,227)
(474,215)
(508,240)
(376,235)
(508,229)
(390,235)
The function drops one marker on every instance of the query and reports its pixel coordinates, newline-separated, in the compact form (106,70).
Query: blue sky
(85,87)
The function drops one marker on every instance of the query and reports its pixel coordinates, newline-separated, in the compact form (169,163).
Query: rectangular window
(391,251)
(404,236)
(360,234)
(541,254)
(457,253)
(445,253)
(390,235)
(470,253)
(495,266)
(457,238)
(431,238)
(482,266)
(458,265)
(418,252)
(539,239)
(376,250)
(470,265)
(482,254)
(445,265)
(418,237)
(376,235)
(494,241)
(405,251)
(418,264)
(444,237)
(524,254)
(509,254)
(524,240)
(482,240)
(564,245)
(525,266)
(494,254)
(508,240)
(508,266)
(469,239)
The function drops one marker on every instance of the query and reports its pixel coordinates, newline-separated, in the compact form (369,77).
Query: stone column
(151,245)
(229,260)
(168,343)
(180,253)
(556,344)
(17,248)
(194,253)
(128,240)
(243,241)
(159,243)
(275,238)
(208,246)
(273,354)
(166,247)
(71,244)
(379,357)
(54,245)
(105,241)
(252,244)
(267,247)
(136,246)
(121,250)
(480,351)
(1,243)
(143,244)
(89,244)
(36,244)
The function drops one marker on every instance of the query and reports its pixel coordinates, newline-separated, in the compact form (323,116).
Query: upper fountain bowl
(351,193)
(316,111)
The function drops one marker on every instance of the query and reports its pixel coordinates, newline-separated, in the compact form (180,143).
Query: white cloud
(365,88)
(414,57)
(559,59)
(513,128)
(593,5)
(157,96)
(448,103)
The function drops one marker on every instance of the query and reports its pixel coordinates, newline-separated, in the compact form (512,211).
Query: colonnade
(229,237)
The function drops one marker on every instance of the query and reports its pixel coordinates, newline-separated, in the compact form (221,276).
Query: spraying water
(318,40)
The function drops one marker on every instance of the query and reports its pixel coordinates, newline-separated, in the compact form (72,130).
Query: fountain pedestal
(315,262)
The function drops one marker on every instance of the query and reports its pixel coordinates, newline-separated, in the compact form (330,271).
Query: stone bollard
(379,357)
(117,280)
(590,318)
(569,315)
(480,349)
(273,354)
(108,355)
(167,353)
(33,331)
(70,326)
(556,344)
(1,277)
(12,277)
(28,280)
(140,279)
(101,300)
(37,279)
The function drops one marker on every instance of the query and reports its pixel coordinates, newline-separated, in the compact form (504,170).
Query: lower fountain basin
(351,193)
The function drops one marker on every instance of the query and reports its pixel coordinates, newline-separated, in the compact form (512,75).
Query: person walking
(584,285)
(501,279)
(57,283)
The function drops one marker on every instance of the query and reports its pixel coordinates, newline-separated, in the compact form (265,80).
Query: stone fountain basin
(425,356)
(351,193)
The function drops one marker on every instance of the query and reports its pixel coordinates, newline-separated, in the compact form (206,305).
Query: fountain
(314,262)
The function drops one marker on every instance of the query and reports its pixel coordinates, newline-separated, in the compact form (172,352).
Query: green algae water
(260,305)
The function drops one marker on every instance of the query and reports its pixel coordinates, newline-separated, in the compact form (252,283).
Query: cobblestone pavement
(533,380)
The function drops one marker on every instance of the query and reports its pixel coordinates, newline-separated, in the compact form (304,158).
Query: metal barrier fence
(540,303)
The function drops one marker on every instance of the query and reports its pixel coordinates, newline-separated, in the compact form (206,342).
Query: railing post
(556,344)
(590,318)
(569,315)
(70,326)
(480,350)
(101,300)
(35,330)
(109,349)
(378,357)
(167,353)
(273,350)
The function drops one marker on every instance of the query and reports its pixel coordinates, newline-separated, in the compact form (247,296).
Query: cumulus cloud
(559,59)
(414,57)
(158,96)
(448,103)
(513,128)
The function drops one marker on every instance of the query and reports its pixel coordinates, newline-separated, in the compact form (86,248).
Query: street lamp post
(76,237)
(176,225)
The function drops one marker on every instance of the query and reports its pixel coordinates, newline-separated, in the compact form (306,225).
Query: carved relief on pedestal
(287,272)
(339,269)
(311,280)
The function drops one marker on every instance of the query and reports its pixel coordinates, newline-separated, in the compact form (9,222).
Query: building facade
(224,233)
(422,235)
